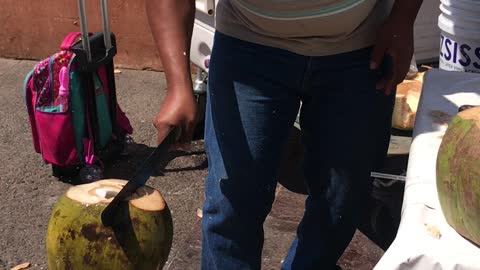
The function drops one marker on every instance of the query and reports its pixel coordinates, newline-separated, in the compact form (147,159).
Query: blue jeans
(253,99)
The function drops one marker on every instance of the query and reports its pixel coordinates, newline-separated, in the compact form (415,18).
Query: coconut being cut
(140,239)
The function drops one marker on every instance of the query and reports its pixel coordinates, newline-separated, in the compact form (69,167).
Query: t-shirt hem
(323,48)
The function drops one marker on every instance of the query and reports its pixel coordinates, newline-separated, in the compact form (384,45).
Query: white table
(417,245)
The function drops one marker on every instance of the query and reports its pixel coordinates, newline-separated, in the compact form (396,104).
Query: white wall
(427,34)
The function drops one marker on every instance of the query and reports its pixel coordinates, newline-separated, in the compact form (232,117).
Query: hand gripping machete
(139,179)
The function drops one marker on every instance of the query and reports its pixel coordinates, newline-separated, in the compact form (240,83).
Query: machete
(139,179)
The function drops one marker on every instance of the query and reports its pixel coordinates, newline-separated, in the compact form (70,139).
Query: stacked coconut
(406,102)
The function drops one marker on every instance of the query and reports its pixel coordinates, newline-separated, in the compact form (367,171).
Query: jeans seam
(306,76)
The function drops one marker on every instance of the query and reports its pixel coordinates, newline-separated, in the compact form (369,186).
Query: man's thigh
(253,102)
(345,120)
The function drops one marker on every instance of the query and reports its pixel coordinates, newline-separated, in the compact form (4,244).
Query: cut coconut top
(471,114)
(103,191)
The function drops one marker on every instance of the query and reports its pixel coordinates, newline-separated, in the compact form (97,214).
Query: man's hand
(395,41)
(176,111)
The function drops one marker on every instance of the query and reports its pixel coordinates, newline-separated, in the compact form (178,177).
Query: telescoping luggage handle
(84,27)
(95,52)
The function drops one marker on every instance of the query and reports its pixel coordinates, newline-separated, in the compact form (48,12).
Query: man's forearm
(171,22)
(406,9)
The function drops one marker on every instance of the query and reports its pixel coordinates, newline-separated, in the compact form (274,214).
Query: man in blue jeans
(268,56)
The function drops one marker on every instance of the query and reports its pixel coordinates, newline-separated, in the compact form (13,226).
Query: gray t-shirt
(307,27)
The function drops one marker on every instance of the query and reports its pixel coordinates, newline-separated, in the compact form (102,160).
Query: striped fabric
(296,9)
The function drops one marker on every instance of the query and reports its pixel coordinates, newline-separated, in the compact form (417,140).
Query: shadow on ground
(125,167)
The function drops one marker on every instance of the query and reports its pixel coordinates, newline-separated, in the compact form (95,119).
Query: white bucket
(460,35)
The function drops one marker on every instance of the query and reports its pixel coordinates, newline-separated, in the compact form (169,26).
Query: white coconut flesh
(103,192)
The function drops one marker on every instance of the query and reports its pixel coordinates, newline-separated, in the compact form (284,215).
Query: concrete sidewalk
(28,192)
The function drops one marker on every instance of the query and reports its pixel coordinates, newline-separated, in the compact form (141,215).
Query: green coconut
(458,174)
(77,239)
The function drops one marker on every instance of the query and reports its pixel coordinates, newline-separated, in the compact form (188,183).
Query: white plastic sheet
(424,240)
